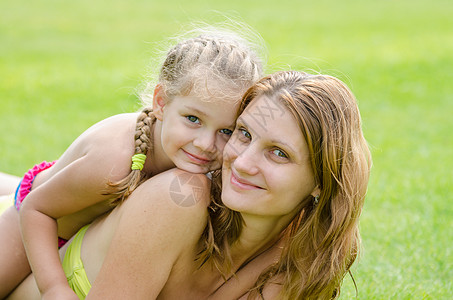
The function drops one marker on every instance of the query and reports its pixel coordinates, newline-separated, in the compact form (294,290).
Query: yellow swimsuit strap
(73,266)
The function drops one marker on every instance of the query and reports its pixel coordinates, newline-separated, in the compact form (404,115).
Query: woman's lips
(242,183)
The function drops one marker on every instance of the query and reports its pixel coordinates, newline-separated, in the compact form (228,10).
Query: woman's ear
(316,192)
(158,102)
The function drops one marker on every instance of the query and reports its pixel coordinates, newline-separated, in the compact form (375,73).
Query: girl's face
(194,131)
(266,169)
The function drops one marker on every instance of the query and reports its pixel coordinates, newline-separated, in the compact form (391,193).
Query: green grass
(66,65)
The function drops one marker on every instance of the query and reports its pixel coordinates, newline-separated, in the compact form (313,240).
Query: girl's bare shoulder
(102,153)
(110,131)
(107,146)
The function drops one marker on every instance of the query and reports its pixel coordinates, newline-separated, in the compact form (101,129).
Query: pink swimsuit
(25,185)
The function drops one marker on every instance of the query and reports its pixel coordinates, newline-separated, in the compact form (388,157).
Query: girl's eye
(280,153)
(193,119)
(226,131)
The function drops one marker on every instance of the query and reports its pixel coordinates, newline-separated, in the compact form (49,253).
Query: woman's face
(266,169)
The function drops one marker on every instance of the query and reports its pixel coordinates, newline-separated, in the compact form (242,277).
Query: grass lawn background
(66,65)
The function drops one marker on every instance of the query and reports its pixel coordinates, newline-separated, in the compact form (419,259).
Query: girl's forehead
(213,88)
(206,99)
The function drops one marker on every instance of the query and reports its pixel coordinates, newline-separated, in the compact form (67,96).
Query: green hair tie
(137,161)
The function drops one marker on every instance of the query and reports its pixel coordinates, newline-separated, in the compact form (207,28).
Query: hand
(60,293)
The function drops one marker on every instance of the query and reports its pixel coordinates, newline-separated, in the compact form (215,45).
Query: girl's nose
(205,142)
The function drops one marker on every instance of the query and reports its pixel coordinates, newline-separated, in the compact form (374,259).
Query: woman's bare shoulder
(174,202)
(178,189)
(162,219)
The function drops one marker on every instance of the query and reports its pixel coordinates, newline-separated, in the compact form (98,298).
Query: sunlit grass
(66,65)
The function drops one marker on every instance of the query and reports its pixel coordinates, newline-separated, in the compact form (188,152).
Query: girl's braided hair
(143,145)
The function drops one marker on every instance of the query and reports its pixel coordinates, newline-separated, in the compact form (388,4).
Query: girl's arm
(152,233)
(75,187)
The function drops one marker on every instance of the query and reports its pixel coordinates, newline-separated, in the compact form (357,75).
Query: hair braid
(143,144)
(143,131)
(221,56)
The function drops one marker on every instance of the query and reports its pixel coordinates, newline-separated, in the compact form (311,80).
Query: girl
(294,178)
(195,105)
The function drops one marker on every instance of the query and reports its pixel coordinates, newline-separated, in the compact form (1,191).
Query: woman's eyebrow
(284,144)
(240,121)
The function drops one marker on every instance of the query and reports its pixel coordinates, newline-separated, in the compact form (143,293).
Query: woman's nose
(245,159)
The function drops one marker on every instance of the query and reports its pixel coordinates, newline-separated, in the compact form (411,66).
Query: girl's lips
(242,183)
(197,159)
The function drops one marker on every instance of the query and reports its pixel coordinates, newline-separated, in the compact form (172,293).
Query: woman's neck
(258,235)
(258,247)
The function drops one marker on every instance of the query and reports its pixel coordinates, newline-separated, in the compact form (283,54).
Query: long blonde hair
(323,239)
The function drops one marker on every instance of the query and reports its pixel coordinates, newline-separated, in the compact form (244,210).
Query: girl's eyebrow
(196,110)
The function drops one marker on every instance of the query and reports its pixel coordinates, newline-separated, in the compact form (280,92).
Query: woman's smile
(240,183)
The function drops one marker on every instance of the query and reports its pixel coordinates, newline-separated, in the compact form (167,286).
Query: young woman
(294,179)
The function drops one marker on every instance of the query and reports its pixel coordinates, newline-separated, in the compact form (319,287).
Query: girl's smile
(197,159)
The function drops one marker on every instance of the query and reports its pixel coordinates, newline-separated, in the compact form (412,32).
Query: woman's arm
(152,233)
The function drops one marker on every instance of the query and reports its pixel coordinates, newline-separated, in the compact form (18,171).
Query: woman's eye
(280,153)
(245,133)
(193,119)
(226,131)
